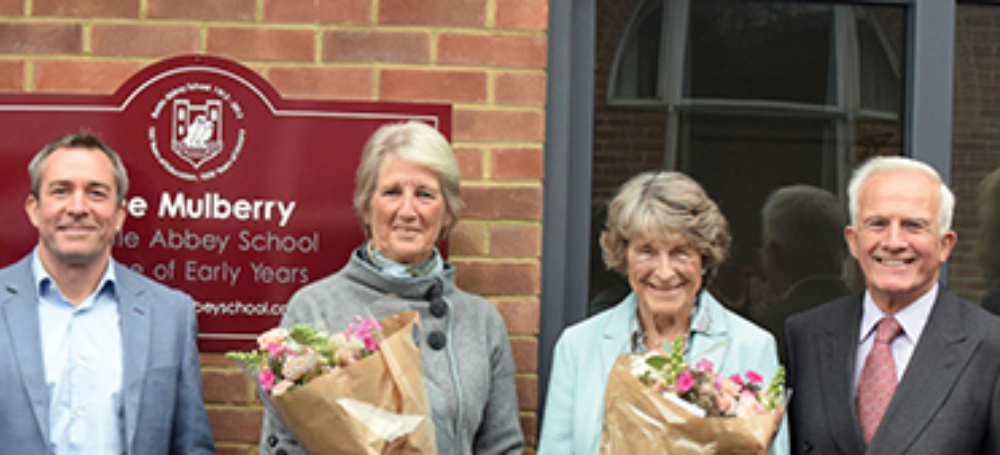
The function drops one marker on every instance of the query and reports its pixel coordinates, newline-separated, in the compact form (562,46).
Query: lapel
(135,311)
(616,333)
(944,348)
(20,317)
(837,343)
(711,340)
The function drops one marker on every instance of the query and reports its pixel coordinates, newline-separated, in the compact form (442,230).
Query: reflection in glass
(754,96)
(989,238)
(760,51)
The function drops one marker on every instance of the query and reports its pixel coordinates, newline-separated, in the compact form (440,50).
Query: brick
(522,14)
(214,359)
(11,75)
(82,76)
(433,85)
(226,387)
(521,316)
(495,278)
(510,203)
(243,449)
(470,162)
(330,83)
(516,240)
(527,392)
(443,13)
(41,38)
(517,164)
(11,7)
(529,425)
(520,88)
(261,44)
(376,46)
(517,51)
(525,351)
(144,40)
(491,125)
(318,11)
(467,239)
(88,9)
(239,424)
(215,10)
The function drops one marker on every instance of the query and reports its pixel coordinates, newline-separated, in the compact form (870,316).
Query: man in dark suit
(94,358)
(929,383)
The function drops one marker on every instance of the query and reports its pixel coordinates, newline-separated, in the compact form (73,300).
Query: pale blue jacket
(586,351)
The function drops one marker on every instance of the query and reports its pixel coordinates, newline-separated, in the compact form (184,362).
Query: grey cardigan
(468,367)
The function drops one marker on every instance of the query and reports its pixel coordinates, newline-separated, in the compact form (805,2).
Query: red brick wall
(486,57)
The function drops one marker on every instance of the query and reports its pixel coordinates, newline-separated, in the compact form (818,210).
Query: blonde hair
(416,143)
(662,204)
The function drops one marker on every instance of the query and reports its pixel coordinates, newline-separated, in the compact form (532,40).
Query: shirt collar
(912,319)
(44,282)
(701,322)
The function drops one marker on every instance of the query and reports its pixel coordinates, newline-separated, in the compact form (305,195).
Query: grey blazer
(163,408)
(947,402)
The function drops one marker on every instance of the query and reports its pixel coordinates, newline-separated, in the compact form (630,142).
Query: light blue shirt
(82,351)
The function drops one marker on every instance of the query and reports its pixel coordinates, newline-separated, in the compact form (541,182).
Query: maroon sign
(238,197)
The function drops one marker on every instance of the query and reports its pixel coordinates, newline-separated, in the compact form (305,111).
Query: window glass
(974,266)
(770,96)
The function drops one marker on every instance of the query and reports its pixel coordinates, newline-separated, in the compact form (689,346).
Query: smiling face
(77,212)
(407,211)
(896,237)
(665,274)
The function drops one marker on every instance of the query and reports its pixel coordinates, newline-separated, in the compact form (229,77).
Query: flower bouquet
(360,391)
(658,404)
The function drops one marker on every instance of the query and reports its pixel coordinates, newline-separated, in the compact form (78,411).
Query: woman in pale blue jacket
(668,238)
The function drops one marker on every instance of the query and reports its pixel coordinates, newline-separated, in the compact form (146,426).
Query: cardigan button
(272,440)
(439,308)
(436,340)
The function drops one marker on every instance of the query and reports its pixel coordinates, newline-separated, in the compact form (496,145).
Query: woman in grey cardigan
(407,197)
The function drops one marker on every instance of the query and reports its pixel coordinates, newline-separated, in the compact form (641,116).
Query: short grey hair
(654,204)
(82,140)
(807,222)
(417,143)
(880,164)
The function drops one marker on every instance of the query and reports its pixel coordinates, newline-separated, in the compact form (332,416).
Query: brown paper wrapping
(639,421)
(324,414)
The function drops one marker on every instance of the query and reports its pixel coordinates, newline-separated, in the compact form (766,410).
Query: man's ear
(31,209)
(851,238)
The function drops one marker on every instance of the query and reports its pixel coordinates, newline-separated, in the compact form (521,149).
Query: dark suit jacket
(948,401)
(161,389)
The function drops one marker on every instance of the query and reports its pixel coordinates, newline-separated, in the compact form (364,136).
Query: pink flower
(749,405)
(685,382)
(704,365)
(754,377)
(266,378)
(736,379)
(282,387)
(276,349)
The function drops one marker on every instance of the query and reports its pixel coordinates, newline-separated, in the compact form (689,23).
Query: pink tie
(878,379)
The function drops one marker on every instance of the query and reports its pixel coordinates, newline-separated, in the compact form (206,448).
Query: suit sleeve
(192,432)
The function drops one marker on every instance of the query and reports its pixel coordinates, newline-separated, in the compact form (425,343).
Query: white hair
(898,163)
